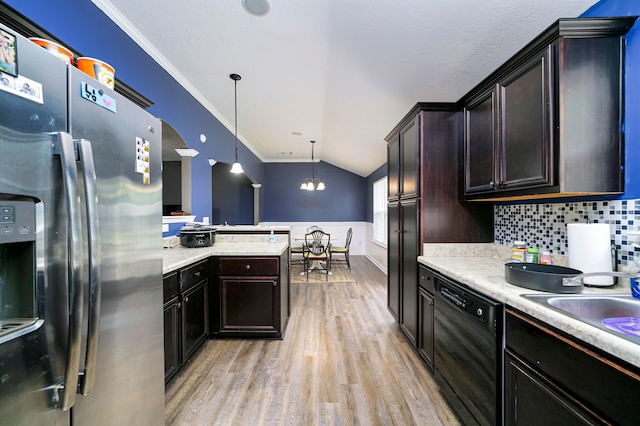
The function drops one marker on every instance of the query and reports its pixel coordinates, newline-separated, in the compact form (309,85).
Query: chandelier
(313,183)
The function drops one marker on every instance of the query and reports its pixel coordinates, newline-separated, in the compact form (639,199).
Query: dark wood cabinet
(393,168)
(528,391)
(194,319)
(172,333)
(508,131)
(480,143)
(410,160)
(548,122)
(186,313)
(425,156)
(403,168)
(402,273)
(172,327)
(393,259)
(574,382)
(409,251)
(425,315)
(253,295)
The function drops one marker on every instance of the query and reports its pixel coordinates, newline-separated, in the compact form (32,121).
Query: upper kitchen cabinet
(403,153)
(548,123)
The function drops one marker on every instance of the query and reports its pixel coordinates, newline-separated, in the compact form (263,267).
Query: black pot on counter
(197,235)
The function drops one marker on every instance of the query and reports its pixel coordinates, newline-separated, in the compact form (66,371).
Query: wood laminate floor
(343,361)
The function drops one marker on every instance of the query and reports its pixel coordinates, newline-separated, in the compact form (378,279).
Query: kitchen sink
(617,314)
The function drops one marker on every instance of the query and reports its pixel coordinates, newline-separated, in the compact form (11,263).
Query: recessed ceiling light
(296,133)
(256,7)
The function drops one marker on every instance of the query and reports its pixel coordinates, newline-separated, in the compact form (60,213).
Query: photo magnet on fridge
(8,53)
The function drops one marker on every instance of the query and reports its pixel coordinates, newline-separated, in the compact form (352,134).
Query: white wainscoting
(361,243)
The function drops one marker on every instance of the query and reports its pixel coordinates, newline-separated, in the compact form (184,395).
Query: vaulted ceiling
(340,72)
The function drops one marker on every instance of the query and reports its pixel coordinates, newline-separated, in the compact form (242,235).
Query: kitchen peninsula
(237,287)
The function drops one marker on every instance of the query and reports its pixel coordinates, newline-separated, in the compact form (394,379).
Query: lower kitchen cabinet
(425,315)
(194,318)
(186,313)
(253,297)
(574,382)
(172,347)
(528,391)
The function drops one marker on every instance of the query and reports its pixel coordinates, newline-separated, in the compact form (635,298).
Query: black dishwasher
(469,352)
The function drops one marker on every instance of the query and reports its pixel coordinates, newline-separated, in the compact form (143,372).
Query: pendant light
(236,168)
(314,183)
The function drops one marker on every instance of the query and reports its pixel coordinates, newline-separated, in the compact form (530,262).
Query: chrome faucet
(576,281)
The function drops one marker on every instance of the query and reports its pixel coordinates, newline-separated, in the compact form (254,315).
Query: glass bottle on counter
(518,251)
(533,254)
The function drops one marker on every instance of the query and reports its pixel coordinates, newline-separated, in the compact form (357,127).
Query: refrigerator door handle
(91,203)
(64,147)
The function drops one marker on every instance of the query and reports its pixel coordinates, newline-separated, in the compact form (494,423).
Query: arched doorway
(232,196)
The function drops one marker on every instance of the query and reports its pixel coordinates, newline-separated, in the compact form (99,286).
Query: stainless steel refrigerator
(81,320)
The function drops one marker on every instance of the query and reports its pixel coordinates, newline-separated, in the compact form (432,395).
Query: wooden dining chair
(316,252)
(343,250)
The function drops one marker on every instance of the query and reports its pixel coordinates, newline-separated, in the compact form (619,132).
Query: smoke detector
(256,7)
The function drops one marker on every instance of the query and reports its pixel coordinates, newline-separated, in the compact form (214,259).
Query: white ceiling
(341,72)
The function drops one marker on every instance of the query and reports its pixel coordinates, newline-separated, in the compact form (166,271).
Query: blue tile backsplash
(544,225)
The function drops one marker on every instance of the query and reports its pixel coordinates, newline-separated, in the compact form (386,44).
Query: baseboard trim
(380,266)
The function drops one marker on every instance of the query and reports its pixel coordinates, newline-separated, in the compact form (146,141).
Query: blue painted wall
(84,27)
(632,89)
(343,200)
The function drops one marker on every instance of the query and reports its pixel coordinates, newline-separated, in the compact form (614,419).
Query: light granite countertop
(250,228)
(481,266)
(177,257)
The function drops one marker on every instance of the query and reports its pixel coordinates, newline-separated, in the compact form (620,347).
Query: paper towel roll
(590,250)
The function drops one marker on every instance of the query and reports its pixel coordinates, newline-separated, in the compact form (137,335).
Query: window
(380,211)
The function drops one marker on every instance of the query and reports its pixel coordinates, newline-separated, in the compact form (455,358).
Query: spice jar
(545,258)
(532,255)
(518,251)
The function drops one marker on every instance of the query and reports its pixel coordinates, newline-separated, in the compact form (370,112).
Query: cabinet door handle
(275,283)
(247,267)
(179,305)
(186,299)
(428,278)
(493,184)
(197,274)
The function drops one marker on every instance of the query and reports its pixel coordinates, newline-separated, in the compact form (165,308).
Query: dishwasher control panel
(465,301)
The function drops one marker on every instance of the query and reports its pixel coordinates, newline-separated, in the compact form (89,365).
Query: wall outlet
(205,220)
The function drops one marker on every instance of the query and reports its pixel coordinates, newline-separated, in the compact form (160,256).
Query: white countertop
(246,228)
(179,256)
(481,266)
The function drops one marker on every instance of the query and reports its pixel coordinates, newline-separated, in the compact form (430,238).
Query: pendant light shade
(236,167)
(313,183)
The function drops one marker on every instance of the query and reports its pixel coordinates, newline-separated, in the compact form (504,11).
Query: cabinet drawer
(426,280)
(248,266)
(193,275)
(170,286)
